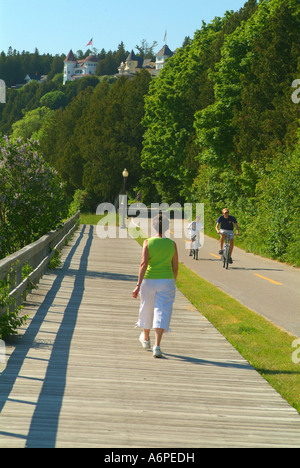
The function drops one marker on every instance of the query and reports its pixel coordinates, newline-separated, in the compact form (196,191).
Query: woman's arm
(143,269)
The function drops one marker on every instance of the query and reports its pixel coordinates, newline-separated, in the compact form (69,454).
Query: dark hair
(160,223)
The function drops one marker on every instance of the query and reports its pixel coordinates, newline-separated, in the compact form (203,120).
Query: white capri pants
(157,298)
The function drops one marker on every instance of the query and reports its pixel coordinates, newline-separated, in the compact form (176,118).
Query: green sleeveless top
(161,252)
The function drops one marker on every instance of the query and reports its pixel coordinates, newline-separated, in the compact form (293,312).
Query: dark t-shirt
(227,223)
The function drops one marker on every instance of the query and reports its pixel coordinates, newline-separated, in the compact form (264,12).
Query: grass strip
(93,219)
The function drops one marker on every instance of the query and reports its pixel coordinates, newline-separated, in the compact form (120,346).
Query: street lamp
(125,175)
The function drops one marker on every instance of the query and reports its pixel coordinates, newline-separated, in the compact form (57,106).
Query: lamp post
(125,175)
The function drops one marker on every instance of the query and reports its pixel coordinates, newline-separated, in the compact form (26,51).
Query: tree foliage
(217,125)
(30,125)
(32,197)
(97,135)
(252,110)
(184,88)
(14,66)
(221,126)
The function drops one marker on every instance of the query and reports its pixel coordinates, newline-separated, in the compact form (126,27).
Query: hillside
(219,125)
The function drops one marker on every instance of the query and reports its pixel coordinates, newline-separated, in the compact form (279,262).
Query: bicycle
(226,248)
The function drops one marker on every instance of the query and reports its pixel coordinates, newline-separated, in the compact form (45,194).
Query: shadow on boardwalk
(48,410)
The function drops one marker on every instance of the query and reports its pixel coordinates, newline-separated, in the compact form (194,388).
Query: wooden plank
(78,377)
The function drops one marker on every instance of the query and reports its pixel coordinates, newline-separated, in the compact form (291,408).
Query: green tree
(121,54)
(266,109)
(58,144)
(56,67)
(31,123)
(275,228)
(146,50)
(108,65)
(32,197)
(252,80)
(185,89)
(110,135)
(54,100)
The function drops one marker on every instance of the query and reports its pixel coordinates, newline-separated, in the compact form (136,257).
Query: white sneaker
(145,343)
(157,352)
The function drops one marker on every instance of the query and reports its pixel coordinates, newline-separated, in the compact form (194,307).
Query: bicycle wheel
(227,254)
(224,259)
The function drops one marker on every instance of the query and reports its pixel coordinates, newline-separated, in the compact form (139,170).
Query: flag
(90,42)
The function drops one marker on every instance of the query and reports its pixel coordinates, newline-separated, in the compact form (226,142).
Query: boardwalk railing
(37,255)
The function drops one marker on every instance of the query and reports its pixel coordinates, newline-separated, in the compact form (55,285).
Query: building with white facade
(74,69)
(162,56)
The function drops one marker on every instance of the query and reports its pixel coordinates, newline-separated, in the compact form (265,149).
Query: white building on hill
(162,56)
(74,69)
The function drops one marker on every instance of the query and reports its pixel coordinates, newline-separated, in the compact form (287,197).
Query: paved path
(77,376)
(270,288)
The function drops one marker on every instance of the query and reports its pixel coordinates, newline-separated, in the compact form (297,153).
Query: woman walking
(156,284)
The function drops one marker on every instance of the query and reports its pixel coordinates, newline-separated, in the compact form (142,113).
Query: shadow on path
(44,423)
(207,362)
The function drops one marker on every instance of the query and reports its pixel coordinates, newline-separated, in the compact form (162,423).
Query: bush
(277,197)
(84,201)
(10,321)
(32,195)
(264,201)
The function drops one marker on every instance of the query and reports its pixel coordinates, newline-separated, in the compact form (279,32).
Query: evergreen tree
(184,88)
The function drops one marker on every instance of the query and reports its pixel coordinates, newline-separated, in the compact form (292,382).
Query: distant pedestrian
(156,284)
(195,227)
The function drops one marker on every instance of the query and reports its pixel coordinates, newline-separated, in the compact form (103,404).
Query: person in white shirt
(195,227)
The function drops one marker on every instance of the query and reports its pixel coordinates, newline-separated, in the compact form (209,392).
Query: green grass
(89,218)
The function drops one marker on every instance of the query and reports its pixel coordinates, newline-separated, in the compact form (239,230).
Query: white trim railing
(37,255)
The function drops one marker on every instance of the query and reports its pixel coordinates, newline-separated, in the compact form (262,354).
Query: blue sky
(56,26)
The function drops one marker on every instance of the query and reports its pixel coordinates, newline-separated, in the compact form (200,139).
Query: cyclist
(227,223)
(195,227)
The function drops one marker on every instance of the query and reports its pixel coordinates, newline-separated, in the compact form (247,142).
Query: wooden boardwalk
(77,376)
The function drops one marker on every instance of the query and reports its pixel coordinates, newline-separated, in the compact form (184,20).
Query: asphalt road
(270,288)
